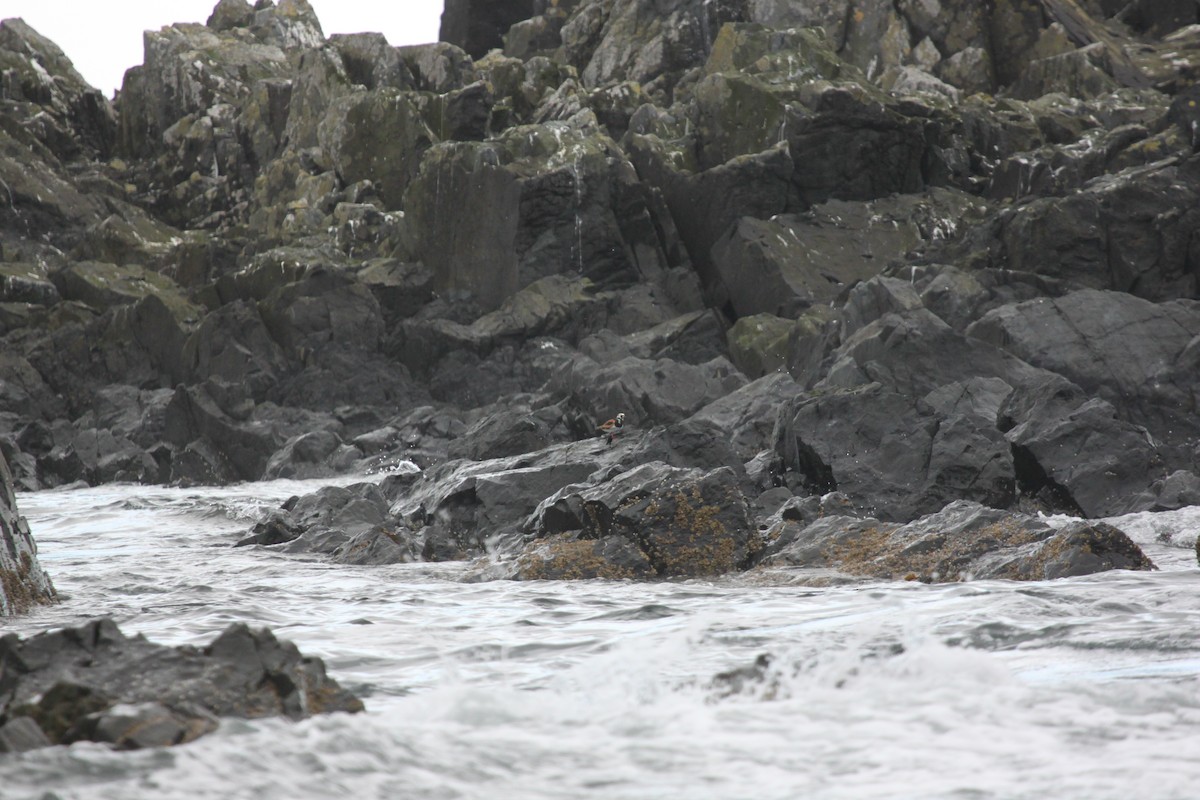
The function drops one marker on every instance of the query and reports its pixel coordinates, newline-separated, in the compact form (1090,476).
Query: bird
(609,429)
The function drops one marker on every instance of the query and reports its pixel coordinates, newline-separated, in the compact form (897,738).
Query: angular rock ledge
(95,683)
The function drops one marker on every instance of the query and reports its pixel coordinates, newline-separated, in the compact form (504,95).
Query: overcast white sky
(103,39)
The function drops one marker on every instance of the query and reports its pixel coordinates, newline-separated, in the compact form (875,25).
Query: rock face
(23,584)
(907,254)
(94,683)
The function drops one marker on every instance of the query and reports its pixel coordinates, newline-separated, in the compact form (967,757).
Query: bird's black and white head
(620,419)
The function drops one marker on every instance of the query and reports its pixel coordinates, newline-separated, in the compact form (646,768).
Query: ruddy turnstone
(609,429)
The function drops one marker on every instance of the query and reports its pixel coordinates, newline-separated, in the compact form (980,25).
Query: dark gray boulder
(460,507)
(704,205)
(350,524)
(897,457)
(94,683)
(649,392)
(513,428)
(234,344)
(1129,232)
(376,135)
(1134,354)
(1074,453)
(746,417)
(239,437)
(790,262)
(320,454)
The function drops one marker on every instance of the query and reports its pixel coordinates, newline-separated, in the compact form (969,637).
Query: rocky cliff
(902,254)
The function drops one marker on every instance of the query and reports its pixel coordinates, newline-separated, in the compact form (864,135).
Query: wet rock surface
(23,583)
(94,683)
(911,256)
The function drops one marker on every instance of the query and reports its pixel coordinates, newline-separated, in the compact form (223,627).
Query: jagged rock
(319,454)
(233,344)
(461,505)
(401,288)
(855,148)
(195,414)
(230,14)
(1060,170)
(72,119)
(326,309)
(189,69)
(1136,355)
(559,305)
(546,199)
(102,285)
(648,391)
(1074,453)
(877,39)
(41,203)
(27,283)
(651,45)
(478,27)
(908,80)
(538,35)
(23,389)
(704,205)
(963,541)
(1079,73)
(341,521)
(371,62)
(1178,490)
(1044,422)
(747,415)
(787,263)
(376,547)
(103,458)
(94,683)
(1162,17)
(462,114)
(896,458)
(693,338)
(232,431)
(23,584)
(376,135)
(439,67)
(952,26)
(514,429)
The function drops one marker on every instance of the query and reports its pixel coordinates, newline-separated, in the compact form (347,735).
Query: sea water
(1077,688)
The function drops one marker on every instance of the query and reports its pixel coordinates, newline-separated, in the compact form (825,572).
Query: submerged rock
(94,683)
